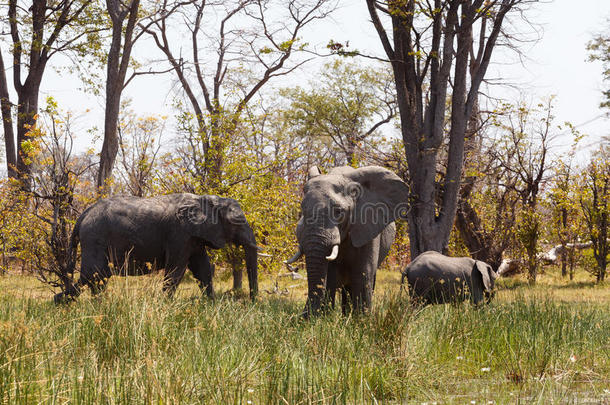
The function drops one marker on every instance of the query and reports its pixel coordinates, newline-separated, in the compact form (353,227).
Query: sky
(556,64)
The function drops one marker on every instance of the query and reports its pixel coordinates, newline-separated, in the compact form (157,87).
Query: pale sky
(555,65)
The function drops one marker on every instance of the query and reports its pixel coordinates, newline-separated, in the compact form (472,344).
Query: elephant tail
(70,289)
(405,274)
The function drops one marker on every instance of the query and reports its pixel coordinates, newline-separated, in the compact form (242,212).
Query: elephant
(435,278)
(133,235)
(345,232)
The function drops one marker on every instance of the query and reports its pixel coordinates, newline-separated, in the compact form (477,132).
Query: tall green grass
(133,345)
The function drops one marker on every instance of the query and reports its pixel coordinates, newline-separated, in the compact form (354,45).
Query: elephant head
(345,206)
(218,221)
(483,280)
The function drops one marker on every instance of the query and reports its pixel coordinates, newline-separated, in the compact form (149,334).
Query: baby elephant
(435,278)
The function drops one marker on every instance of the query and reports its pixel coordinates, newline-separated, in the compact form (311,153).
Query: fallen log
(552,256)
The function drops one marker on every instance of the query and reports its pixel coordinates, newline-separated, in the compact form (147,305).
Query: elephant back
(438,278)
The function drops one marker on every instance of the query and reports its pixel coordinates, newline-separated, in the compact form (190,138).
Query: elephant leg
(95,271)
(332,284)
(367,293)
(98,284)
(476,289)
(176,259)
(362,277)
(173,277)
(361,293)
(71,292)
(357,296)
(203,271)
(74,290)
(345,304)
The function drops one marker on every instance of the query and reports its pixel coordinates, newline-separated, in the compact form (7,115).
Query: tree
(430,45)
(347,104)
(124,19)
(236,48)
(486,212)
(525,137)
(38,31)
(275,143)
(599,50)
(595,203)
(139,147)
(563,203)
(56,174)
(119,55)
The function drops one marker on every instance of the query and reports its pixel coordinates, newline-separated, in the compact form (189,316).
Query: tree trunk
(433,209)
(426,231)
(7,124)
(350,153)
(114,88)
(602,261)
(532,260)
(215,156)
(41,18)
(572,260)
(562,232)
(480,246)
(118,62)
(27,110)
(110,147)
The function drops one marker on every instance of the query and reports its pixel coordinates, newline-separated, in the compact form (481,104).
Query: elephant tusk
(333,254)
(263,254)
(294,258)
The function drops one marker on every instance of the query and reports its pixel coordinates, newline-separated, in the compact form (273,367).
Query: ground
(543,343)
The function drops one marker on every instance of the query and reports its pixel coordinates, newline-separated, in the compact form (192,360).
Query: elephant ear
(299,230)
(488,276)
(380,197)
(233,212)
(200,219)
(191,215)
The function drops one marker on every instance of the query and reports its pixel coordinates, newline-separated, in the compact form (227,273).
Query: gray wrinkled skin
(355,209)
(435,278)
(133,236)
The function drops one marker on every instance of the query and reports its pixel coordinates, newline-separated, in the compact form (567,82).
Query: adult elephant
(346,231)
(133,236)
(436,278)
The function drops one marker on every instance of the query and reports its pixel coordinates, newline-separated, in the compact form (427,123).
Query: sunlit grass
(545,343)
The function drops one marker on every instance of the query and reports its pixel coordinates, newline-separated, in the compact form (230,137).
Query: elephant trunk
(247,240)
(317,243)
(251,256)
(317,273)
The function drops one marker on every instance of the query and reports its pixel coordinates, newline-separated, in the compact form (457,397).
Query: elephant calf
(436,278)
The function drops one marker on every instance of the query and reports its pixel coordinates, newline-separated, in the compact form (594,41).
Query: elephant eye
(337,213)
